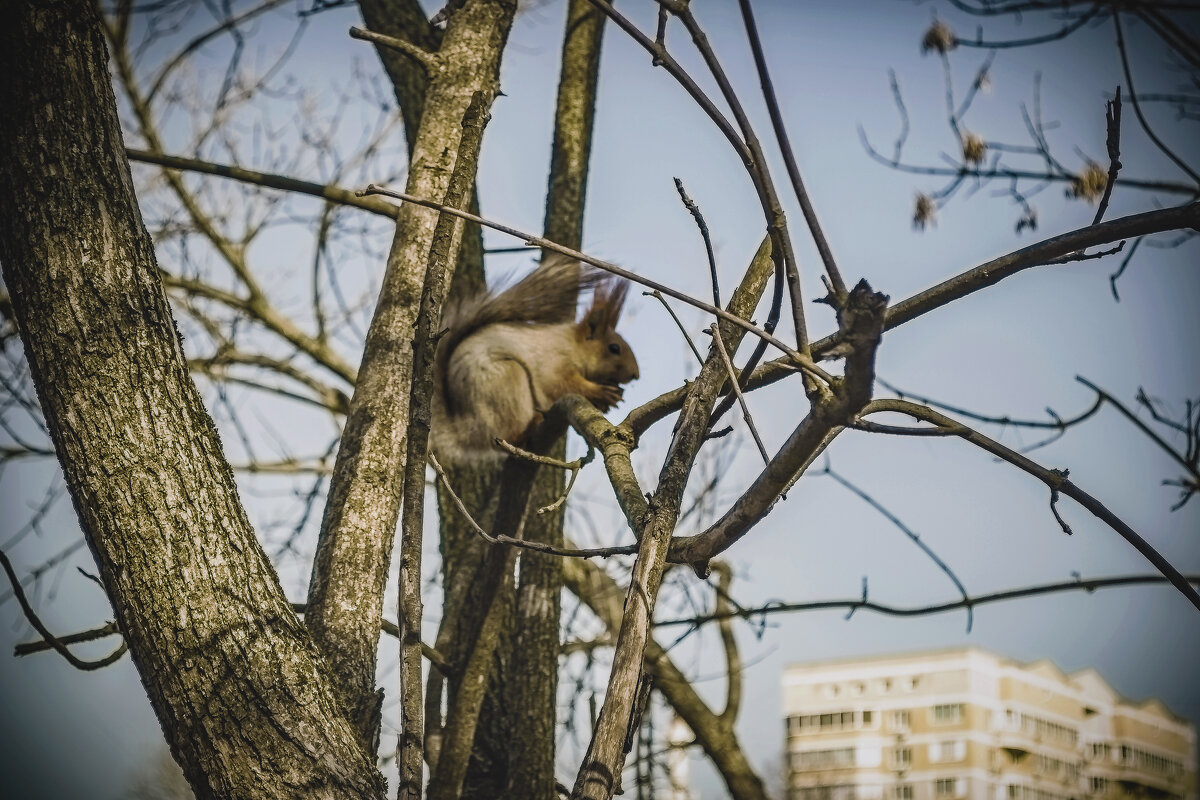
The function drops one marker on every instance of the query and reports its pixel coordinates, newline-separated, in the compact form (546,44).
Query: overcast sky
(1012,349)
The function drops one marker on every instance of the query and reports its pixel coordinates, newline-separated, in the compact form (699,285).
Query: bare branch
(1112,117)
(837,287)
(334,194)
(1054,480)
(996,270)
(694,210)
(540,547)
(779,607)
(733,383)
(657,295)
(861,323)
(430,62)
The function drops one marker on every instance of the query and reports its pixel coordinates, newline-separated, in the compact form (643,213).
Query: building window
(903,791)
(1151,762)
(1098,785)
(900,720)
(902,757)
(1019,792)
(836,758)
(945,787)
(949,750)
(832,792)
(1100,751)
(947,713)
(914,682)
(1042,729)
(825,723)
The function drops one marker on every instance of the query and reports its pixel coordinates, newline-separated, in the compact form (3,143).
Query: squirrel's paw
(607,396)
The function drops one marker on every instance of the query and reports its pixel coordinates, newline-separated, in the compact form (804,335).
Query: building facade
(969,725)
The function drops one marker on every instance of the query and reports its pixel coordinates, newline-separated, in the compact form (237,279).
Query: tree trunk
(353,554)
(532,682)
(233,676)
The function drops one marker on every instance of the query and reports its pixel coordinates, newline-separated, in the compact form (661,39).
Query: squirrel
(506,357)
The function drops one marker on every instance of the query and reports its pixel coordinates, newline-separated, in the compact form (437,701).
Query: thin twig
(334,194)
(1141,426)
(90,635)
(694,210)
(1062,33)
(572,468)
(756,168)
(1113,278)
(1082,256)
(719,341)
(430,62)
(837,285)
(569,552)
(1137,108)
(1055,424)
(538,458)
(1112,119)
(803,362)
(657,295)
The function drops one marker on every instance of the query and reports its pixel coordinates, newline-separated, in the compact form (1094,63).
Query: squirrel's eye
(615,349)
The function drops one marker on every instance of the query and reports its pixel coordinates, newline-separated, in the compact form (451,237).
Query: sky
(1013,349)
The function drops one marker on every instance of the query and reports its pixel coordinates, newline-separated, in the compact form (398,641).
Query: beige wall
(1026,733)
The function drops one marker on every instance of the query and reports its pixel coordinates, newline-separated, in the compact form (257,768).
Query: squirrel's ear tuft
(593,322)
(610,300)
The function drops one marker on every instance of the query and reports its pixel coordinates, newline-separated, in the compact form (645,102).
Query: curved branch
(996,270)
(58,645)
(1062,33)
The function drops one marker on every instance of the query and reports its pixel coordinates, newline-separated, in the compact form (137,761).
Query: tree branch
(1055,480)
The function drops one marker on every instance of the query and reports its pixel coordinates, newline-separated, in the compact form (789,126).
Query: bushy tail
(547,295)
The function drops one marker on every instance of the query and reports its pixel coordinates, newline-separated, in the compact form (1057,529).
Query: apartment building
(966,724)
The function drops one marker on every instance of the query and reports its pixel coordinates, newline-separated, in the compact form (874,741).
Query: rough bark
(446,241)
(234,678)
(532,680)
(350,568)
